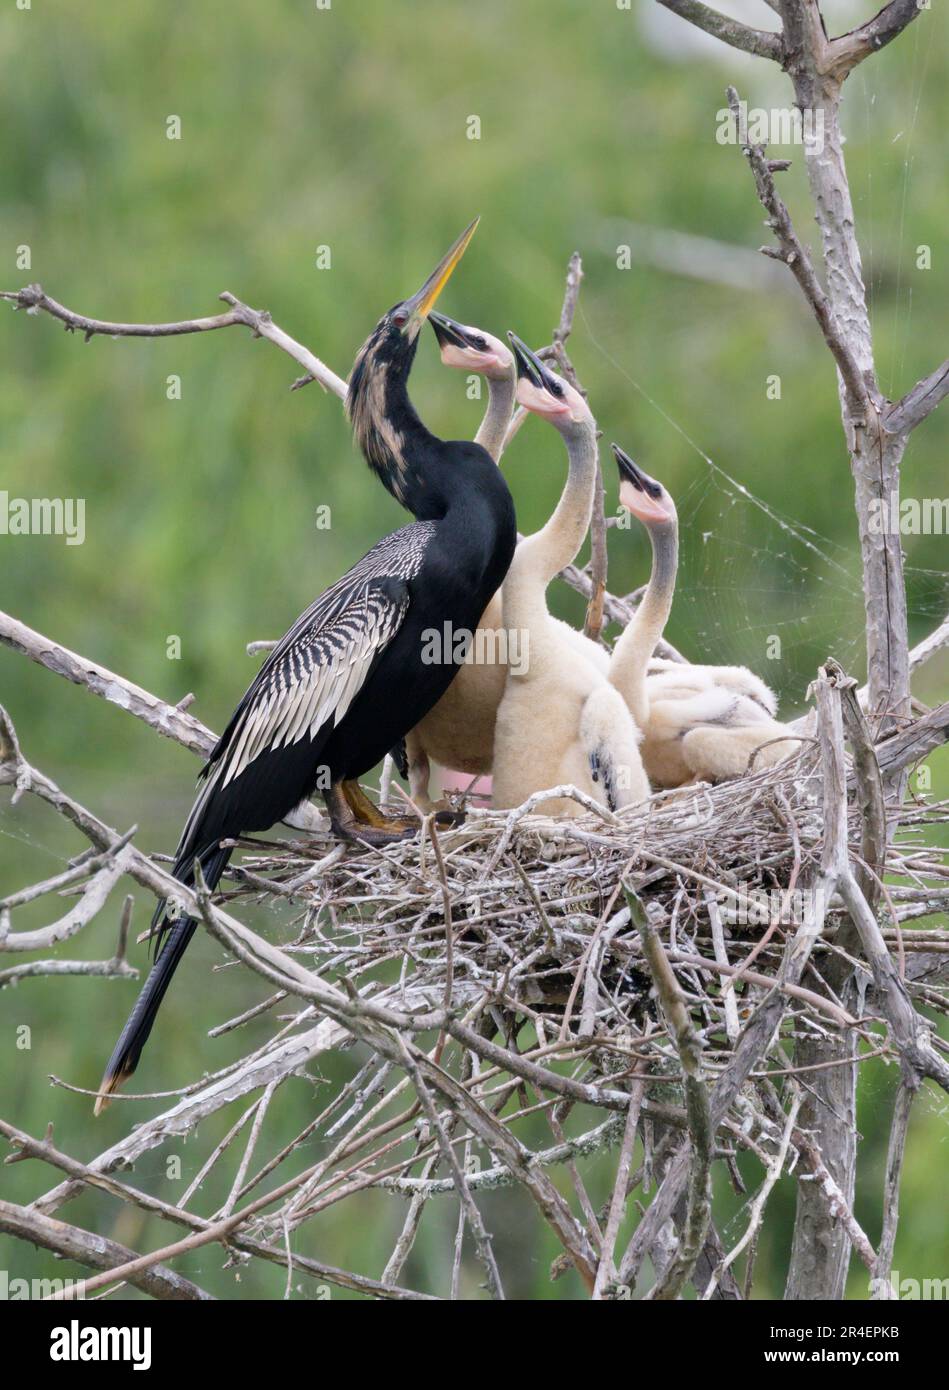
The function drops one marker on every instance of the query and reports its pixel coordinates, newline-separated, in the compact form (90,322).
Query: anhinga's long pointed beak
(632,473)
(420,305)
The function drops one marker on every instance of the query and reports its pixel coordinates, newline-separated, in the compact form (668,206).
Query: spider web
(749,574)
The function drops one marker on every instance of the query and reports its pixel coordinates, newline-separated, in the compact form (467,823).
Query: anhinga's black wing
(310,679)
(301,692)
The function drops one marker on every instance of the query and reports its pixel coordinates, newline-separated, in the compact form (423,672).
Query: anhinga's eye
(400,318)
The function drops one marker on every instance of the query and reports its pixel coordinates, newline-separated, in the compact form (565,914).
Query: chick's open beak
(447,331)
(529,364)
(632,473)
(642,495)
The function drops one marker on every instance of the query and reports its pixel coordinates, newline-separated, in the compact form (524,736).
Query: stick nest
(535,917)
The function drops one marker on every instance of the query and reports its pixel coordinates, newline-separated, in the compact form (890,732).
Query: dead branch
(899,1128)
(886,25)
(795,256)
(762,42)
(689,1047)
(919,402)
(34,299)
(94,1251)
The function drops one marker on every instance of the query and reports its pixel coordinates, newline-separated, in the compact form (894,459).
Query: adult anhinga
(560,720)
(351,677)
(699,723)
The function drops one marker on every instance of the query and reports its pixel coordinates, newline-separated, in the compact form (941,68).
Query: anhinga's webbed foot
(354,817)
(367,811)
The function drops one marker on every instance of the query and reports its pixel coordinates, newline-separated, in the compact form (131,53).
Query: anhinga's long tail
(177,934)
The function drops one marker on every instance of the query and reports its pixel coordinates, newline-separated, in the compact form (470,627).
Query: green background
(304,127)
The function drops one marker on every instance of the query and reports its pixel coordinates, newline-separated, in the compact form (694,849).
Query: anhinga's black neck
(455,483)
(396,444)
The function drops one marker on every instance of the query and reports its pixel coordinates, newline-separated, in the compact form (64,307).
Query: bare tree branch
(914,742)
(919,402)
(468,1205)
(168,720)
(762,42)
(93,899)
(689,1047)
(33,299)
(795,256)
(886,25)
(902,1110)
(911,1033)
(164,718)
(94,1251)
(756,1214)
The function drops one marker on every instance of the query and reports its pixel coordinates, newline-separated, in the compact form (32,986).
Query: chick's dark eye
(555,388)
(478,343)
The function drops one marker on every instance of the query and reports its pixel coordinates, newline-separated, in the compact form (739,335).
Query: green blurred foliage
(304,127)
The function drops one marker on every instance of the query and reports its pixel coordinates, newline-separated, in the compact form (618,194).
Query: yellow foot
(354,817)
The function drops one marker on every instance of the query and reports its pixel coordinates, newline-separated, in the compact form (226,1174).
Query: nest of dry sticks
(543,924)
(534,916)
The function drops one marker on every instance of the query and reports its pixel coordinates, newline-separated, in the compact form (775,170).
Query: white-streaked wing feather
(318,668)
(322,672)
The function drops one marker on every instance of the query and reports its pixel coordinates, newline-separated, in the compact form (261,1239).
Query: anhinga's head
(471,349)
(544,393)
(641,495)
(377,399)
